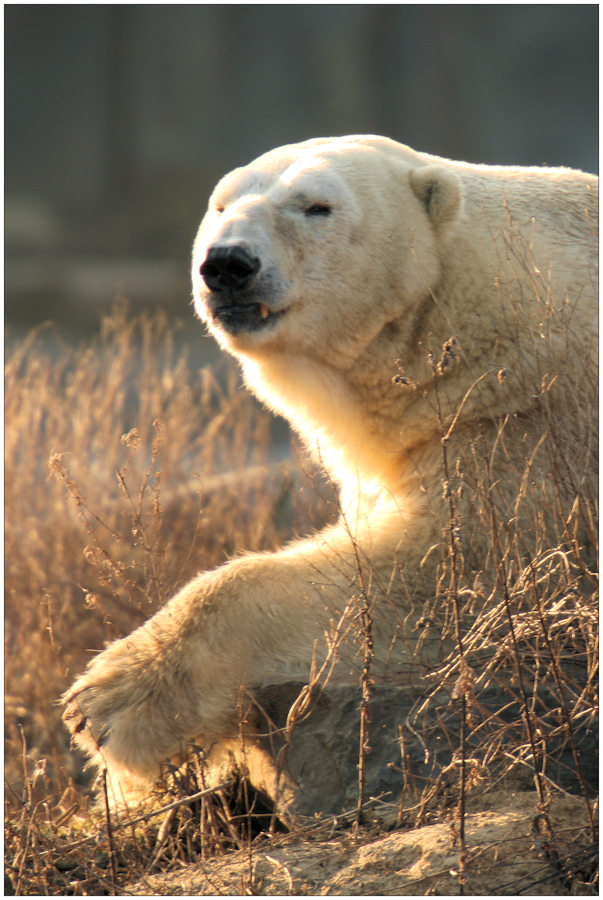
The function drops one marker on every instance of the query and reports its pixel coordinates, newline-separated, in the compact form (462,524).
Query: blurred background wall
(120,118)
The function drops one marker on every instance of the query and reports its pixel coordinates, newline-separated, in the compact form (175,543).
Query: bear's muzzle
(236,299)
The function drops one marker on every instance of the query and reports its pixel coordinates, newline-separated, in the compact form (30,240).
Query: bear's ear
(439,190)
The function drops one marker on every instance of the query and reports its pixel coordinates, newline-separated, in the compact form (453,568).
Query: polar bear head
(315,247)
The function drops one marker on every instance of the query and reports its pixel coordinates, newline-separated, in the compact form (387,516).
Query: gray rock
(316,769)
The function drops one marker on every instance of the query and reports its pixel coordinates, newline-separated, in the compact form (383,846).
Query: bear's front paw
(103,722)
(117,714)
(145,697)
(135,707)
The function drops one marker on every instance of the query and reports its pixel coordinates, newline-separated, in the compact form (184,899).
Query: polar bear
(411,317)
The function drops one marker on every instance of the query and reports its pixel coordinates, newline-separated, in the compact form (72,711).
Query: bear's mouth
(237,318)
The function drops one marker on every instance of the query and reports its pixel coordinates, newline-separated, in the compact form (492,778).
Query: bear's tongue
(264,311)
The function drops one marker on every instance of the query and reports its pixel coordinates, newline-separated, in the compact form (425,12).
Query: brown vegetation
(126,473)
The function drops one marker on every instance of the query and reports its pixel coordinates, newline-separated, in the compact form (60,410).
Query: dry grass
(126,473)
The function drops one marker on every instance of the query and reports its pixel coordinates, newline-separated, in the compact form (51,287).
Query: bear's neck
(348,430)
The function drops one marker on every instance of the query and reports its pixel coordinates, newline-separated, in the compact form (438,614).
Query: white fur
(415,249)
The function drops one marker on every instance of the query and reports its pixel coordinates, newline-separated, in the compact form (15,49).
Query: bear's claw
(78,721)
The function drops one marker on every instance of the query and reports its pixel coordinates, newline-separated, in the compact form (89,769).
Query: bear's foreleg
(176,678)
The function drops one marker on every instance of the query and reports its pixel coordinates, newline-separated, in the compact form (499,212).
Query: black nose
(228,267)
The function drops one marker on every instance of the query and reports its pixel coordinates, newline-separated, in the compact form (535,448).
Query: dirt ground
(505,855)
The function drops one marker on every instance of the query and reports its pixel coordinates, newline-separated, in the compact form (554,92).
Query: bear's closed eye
(318,209)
